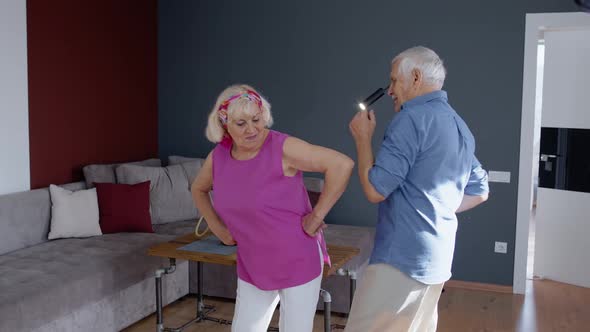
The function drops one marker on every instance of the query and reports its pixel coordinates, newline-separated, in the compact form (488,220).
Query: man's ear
(416,77)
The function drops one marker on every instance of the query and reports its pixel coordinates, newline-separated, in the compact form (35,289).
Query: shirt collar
(423,99)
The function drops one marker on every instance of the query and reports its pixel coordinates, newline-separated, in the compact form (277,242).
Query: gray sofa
(101,283)
(106,283)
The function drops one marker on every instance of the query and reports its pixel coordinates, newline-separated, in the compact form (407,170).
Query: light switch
(496,176)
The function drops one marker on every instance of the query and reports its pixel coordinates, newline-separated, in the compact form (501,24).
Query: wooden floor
(547,306)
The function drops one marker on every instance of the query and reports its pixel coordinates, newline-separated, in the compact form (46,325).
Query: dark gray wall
(314,59)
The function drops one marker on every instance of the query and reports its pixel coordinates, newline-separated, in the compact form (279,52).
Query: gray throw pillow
(175,160)
(191,169)
(105,173)
(170,195)
(191,166)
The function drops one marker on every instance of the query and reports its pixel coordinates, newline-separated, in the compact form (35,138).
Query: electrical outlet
(501,247)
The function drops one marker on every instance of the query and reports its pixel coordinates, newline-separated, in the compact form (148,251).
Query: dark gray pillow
(170,195)
(105,173)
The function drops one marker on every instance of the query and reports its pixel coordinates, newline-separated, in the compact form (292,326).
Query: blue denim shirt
(424,166)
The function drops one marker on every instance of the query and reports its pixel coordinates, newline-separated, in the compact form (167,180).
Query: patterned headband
(249,95)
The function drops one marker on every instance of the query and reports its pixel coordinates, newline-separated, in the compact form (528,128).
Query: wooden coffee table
(339,255)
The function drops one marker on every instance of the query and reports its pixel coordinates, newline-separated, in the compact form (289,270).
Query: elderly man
(425,172)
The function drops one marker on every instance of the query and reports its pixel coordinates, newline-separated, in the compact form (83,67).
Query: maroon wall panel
(92,85)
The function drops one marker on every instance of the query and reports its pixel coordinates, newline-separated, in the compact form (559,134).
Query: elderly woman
(261,205)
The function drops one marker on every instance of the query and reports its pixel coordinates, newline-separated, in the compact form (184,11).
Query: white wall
(14,107)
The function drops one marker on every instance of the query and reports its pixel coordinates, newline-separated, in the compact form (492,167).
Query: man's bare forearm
(469,202)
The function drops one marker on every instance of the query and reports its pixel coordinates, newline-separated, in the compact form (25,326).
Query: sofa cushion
(73,213)
(191,169)
(24,217)
(170,195)
(47,281)
(175,160)
(124,207)
(105,173)
(191,166)
(177,229)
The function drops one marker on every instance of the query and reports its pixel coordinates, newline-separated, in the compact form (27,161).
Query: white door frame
(536,25)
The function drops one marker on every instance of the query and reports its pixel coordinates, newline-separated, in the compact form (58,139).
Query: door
(562,232)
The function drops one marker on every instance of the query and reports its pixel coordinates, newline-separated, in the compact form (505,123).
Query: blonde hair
(215,128)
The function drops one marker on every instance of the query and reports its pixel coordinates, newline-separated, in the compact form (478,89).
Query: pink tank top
(262,209)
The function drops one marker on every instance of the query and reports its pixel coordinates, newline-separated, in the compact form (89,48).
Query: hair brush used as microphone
(364,105)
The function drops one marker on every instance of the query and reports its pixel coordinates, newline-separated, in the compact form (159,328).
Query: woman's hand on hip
(226,238)
(312,225)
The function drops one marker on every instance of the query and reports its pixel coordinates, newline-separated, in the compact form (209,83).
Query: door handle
(545,157)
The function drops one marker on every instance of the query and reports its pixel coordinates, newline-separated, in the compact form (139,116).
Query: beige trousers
(387,300)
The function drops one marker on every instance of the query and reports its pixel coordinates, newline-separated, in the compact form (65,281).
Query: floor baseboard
(478,286)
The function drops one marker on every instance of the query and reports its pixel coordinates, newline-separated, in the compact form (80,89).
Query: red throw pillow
(124,207)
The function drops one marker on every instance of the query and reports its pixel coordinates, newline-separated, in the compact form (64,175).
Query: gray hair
(426,61)
(215,129)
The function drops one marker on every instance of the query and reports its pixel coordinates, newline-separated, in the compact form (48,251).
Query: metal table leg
(327,309)
(200,302)
(159,320)
(352,278)
(202,309)
(159,273)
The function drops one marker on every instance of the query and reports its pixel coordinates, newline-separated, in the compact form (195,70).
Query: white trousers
(255,307)
(388,300)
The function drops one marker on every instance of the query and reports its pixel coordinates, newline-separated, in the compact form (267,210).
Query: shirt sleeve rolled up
(396,155)
(478,180)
